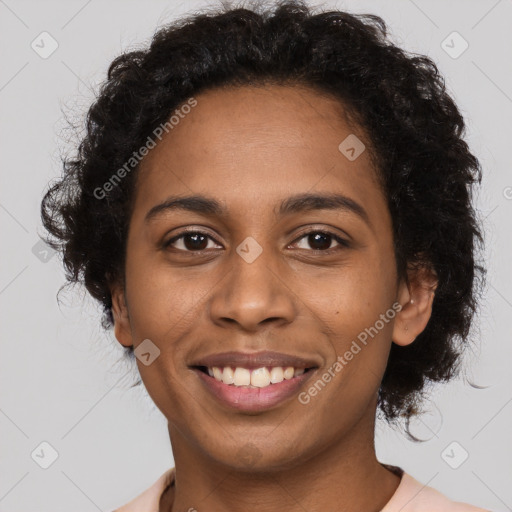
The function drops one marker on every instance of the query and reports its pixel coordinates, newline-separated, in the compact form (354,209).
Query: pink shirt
(410,496)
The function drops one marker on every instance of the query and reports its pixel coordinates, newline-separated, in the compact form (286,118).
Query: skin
(251,148)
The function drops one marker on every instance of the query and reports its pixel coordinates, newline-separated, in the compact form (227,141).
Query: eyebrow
(294,204)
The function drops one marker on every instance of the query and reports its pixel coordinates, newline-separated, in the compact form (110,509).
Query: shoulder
(412,496)
(148,500)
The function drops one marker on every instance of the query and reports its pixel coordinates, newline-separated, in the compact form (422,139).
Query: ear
(122,327)
(416,295)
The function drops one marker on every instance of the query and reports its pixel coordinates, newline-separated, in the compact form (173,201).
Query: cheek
(162,301)
(352,297)
(354,309)
(164,308)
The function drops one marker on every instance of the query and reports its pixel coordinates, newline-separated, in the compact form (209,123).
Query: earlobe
(416,298)
(122,327)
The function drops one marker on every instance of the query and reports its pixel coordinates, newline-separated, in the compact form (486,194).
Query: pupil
(320,241)
(198,241)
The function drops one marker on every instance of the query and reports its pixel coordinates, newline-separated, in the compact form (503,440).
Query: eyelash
(342,242)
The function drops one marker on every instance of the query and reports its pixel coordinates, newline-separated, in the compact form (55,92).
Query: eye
(190,241)
(198,241)
(321,241)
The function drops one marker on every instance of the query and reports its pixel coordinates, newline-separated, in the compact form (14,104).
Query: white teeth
(288,373)
(242,377)
(228,377)
(258,378)
(276,375)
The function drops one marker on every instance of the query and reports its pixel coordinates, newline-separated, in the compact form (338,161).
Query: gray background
(58,383)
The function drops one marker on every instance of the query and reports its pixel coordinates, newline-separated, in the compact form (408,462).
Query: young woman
(274,209)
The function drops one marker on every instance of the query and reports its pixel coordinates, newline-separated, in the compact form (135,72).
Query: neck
(345,474)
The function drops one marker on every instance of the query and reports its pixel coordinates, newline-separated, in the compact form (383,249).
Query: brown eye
(321,241)
(190,241)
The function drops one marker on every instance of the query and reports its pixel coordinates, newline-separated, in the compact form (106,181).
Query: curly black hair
(399,98)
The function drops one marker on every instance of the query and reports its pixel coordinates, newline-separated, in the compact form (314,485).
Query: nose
(253,295)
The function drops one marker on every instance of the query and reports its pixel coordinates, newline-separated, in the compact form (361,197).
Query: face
(252,270)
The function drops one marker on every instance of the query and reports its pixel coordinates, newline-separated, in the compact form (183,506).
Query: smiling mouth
(253,377)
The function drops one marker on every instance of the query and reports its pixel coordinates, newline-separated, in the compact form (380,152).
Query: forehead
(257,144)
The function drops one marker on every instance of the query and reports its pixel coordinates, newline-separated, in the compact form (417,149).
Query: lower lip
(253,399)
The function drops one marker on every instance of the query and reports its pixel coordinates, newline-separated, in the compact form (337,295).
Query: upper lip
(254,360)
